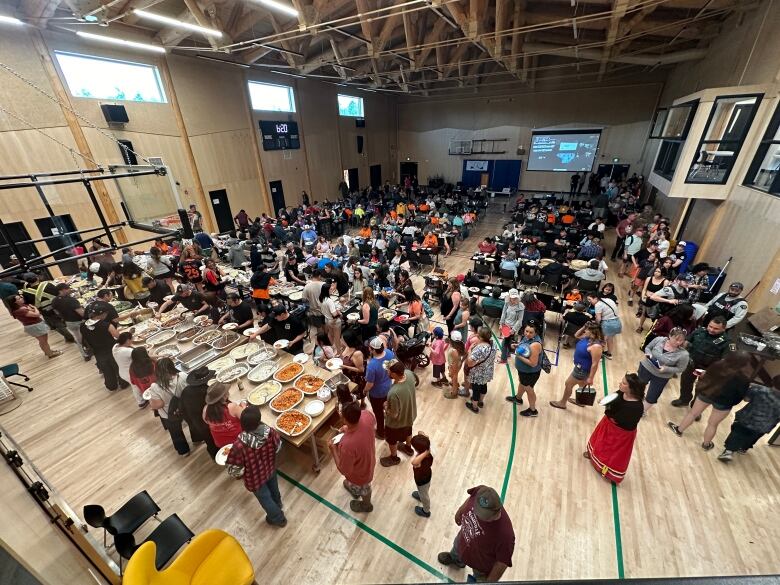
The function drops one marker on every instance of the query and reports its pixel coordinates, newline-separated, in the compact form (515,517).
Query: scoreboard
(280,135)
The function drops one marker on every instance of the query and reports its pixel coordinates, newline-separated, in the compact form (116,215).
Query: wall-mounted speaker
(360,122)
(114,114)
(126,148)
(360,144)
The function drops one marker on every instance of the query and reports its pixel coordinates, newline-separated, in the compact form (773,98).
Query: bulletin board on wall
(500,173)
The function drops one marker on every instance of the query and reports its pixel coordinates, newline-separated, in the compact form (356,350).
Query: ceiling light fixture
(116,41)
(175,22)
(281,6)
(289,74)
(10,20)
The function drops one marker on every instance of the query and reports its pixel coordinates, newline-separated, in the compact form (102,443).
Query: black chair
(553,281)
(169,537)
(492,312)
(530,277)
(587,285)
(126,519)
(483,269)
(507,275)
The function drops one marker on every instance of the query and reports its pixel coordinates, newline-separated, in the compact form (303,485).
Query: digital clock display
(281,128)
(278,135)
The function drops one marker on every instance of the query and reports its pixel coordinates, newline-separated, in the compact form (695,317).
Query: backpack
(427,309)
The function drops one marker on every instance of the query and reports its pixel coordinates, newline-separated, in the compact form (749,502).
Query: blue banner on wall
(501,173)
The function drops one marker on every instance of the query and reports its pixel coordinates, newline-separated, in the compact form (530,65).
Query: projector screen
(565,150)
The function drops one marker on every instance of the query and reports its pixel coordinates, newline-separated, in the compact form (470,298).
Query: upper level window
(271,97)
(672,125)
(726,129)
(764,172)
(109,79)
(350,105)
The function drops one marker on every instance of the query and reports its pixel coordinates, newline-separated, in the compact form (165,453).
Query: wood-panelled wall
(213,121)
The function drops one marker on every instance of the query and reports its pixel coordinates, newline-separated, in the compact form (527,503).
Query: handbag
(546,365)
(585,395)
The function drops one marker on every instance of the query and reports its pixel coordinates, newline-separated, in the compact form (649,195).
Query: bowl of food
(225,340)
(232,373)
(251,331)
(264,392)
(308,384)
(207,337)
(388,314)
(161,337)
(288,373)
(293,423)
(286,400)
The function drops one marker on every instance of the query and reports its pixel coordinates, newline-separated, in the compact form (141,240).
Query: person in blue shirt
(378,381)
(308,236)
(205,242)
(457,221)
(531,253)
(509,263)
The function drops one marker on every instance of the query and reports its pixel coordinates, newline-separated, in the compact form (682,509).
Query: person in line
(253,457)
(759,417)
(311,295)
(648,305)
(664,357)
(706,345)
(462,316)
(730,305)
(400,413)
(99,335)
(722,386)
(438,357)
(479,368)
(239,312)
(331,310)
(193,403)
(378,382)
(606,315)
(123,356)
(422,462)
(679,316)
(587,356)
(455,357)
(698,281)
(34,325)
(612,442)
(165,398)
(354,366)
(71,312)
(369,313)
(450,302)
(142,369)
(222,416)
(528,361)
(41,294)
(510,323)
(260,283)
(486,539)
(673,294)
(574,320)
(355,455)
(159,267)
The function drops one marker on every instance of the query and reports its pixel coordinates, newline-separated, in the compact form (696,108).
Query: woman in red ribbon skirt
(612,442)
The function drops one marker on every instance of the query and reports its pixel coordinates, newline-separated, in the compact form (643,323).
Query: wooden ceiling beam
(365,25)
(391,23)
(203,20)
(518,20)
(502,19)
(337,55)
(619,8)
(436,35)
(410,32)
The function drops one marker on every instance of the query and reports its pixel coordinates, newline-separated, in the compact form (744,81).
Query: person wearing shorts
(587,355)
(355,455)
(528,361)
(400,413)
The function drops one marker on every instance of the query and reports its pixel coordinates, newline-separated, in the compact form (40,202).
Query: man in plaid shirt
(253,456)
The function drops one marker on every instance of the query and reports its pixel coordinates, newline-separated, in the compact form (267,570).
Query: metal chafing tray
(196,357)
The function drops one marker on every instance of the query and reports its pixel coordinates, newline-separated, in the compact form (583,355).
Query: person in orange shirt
(260,282)
(430,241)
(434,220)
(365,232)
(424,207)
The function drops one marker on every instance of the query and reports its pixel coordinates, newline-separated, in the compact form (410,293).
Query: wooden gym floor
(680,512)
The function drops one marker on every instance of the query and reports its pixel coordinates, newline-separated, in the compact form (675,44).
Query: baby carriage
(411,351)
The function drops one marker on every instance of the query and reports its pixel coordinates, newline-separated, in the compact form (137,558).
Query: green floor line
(508,471)
(615,507)
(383,539)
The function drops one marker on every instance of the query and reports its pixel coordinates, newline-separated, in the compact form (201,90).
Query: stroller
(411,351)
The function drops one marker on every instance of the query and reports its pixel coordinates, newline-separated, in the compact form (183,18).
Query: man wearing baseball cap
(731,305)
(486,539)
(378,381)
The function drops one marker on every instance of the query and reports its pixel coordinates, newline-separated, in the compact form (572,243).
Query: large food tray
(232,373)
(196,357)
(298,393)
(264,393)
(161,337)
(291,365)
(242,351)
(293,413)
(207,336)
(261,372)
(225,340)
(266,353)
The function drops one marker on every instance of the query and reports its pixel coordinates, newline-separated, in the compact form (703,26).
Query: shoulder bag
(467,368)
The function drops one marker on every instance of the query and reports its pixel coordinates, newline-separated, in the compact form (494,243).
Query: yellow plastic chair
(212,558)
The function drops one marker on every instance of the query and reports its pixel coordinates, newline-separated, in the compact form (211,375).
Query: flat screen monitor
(568,151)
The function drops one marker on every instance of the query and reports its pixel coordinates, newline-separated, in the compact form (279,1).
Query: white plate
(147,395)
(314,408)
(222,455)
(281,344)
(251,331)
(230,326)
(337,439)
(608,398)
(334,364)
(168,298)
(301,358)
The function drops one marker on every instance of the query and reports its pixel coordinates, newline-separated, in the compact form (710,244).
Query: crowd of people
(356,255)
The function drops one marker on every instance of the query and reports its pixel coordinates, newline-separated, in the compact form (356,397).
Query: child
(455,357)
(343,396)
(438,349)
(574,295)
(421,467)
(323,351)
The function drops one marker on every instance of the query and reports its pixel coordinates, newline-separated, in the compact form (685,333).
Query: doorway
(222,212)
(18,233)
(376,176)
(56,225)
(277,196)
(408,169)
(353,181)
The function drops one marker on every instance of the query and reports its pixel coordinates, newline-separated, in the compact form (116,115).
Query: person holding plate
(222,416)
(612,442)
(510,322)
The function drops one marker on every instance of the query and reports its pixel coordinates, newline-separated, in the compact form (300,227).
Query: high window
(671,125)
(764,172)
(726,129)
(110,79)
(271,97)
(350,105)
